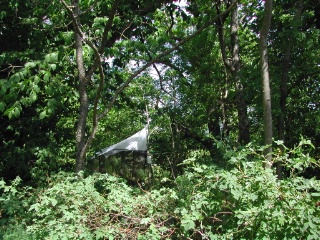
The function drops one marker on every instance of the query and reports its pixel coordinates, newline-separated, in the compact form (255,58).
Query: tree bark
(84,103)
(267,115)
(233,66)
(244,135)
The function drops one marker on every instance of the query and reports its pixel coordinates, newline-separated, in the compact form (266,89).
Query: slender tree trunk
(83,110)
(244,135)
(243,122)
(224,106)
(267,115)
(284,85)
(83,142)
(225,127)
(233,66)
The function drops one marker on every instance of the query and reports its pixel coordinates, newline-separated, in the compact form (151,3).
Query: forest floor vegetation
(243,201)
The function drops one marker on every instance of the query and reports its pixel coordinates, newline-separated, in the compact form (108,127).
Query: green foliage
(14,203)
(69,207)
(244,202)
(248,202)
(96,207)
(189,98)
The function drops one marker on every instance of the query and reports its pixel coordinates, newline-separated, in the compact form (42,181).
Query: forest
(228,90)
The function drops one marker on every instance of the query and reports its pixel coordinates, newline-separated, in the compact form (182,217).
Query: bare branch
(125,28)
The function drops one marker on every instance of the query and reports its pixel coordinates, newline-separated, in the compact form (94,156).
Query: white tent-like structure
(128,159)
(137,142)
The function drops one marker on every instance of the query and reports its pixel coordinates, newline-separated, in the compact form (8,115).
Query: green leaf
(145,221)
(2,106)
(54,202)
(15,77)
(34,207)
(30,64)
(13,111)
(49,90)
(198,169)
(316,194)
(33,96)
(43,114)
(53,66)
(51,57)
(187,224)
(2,14)
(51,102)
(46,77)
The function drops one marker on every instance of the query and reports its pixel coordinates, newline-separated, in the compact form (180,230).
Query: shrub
(15,200)
(248,201)
(98,207)
(244,201)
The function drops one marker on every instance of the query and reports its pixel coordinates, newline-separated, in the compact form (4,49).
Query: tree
(232,63)
(103,40)
(267,115)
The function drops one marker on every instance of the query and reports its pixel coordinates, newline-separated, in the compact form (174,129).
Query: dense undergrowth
(241,201)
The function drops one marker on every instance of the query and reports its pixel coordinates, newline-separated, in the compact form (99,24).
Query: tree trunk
(224,107)
(284,85)
(214,122)
(83,110)
(233,66)
(244,135)
(243,122)
(267,115)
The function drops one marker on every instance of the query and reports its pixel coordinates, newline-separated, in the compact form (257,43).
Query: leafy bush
(248,201)
(98,207)
(244,202)
(15,200)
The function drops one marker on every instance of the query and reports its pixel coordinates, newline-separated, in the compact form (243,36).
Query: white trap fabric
(137,142)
